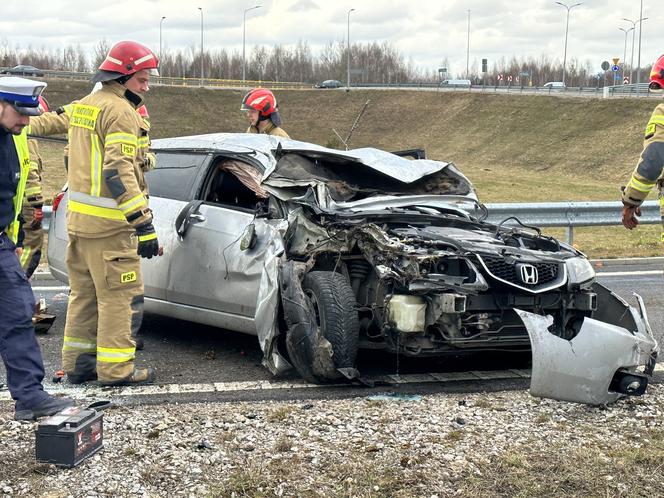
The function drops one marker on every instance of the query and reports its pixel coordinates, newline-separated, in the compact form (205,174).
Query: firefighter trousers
(32,243)
(18,345)
(105,307)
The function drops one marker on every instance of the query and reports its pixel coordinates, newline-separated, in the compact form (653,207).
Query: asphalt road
(187,354)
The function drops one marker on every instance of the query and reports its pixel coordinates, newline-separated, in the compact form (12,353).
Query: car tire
(332,308)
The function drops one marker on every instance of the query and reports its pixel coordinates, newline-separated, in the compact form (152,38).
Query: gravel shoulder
(469,445)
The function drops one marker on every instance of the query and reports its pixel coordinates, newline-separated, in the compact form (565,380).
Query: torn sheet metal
(399,168)
(462,205)
(305,237)
(580,370)
(267,302)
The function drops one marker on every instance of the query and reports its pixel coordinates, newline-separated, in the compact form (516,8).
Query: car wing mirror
(187,216)
(248,240)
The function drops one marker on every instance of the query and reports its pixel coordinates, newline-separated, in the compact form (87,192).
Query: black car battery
(70,436)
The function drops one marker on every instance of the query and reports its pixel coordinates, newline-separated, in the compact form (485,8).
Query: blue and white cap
(22,93)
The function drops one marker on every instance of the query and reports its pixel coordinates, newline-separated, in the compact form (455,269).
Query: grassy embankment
(514,148)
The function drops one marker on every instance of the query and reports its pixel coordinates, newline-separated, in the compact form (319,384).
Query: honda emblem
(528,274)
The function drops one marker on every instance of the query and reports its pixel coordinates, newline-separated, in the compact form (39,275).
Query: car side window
(234,184)
(175,174)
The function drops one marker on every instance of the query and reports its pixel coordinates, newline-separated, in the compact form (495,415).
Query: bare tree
(99,52)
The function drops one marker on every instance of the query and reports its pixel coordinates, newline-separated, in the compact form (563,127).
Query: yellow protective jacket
(107,149)
(270,129)
(21,143)
(649,168)
(33,187)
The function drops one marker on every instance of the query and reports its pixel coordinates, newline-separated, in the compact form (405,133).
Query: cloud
(304,6)
(424,31)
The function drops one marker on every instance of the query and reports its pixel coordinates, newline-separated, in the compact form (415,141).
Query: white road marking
(50,288)
(629,273)
(86,392)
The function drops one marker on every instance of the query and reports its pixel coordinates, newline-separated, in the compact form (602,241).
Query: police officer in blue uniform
(18,345)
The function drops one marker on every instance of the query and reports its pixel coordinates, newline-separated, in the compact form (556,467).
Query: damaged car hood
(262,147)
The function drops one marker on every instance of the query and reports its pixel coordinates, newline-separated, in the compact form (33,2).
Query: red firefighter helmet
(43,105)
(143,112)
(657,75)
(126,58)
(261,100)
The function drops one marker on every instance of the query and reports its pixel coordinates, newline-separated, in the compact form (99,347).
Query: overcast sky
(426,32)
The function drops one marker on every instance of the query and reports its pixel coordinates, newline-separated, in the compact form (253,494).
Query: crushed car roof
(399,168)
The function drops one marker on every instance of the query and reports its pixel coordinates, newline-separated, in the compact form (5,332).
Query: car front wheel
(332,309)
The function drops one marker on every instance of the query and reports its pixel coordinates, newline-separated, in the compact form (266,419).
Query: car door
(172,185)
(208,268)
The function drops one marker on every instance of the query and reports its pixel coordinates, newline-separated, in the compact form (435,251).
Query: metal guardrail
(192,82)
(570,214)
(589,91)
(577,91)
(548,214)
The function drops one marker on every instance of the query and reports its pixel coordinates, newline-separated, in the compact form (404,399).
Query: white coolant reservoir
(407,313)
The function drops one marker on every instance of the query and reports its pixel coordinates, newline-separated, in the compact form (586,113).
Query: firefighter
(32,206)
(108,220)
(18,346)
(649,168)
(262,111)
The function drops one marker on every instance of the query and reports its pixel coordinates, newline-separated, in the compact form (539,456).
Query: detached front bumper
(613,354)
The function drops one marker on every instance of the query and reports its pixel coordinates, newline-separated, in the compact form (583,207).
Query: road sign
(606,65)
(626,80)
(615,68)
(615,60)
(442,69)
(509,78)
(500,77)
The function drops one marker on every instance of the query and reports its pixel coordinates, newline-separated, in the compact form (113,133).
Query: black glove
(148,245)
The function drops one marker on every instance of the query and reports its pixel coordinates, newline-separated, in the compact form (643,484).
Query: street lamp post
(348,48)
(202,75)
(468,48)
(160,23)
(570,7)
(638,64)
(631,62)
(626,31)
(244,38)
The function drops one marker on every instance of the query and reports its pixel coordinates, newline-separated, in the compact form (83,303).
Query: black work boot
(85,369)
(47,407)
(139,377)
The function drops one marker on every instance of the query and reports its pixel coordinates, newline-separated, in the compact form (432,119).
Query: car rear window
(175,174)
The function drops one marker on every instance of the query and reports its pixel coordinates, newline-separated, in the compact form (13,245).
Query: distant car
(554,85)
(455,83)
(329,84)
(24,70)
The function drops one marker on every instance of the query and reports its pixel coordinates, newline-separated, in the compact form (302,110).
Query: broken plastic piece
(582,369)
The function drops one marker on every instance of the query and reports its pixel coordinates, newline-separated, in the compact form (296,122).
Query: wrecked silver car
(320,252)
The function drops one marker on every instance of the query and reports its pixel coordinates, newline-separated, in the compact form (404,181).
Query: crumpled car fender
(581,369)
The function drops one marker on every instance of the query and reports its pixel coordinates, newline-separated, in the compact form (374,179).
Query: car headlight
(580,271)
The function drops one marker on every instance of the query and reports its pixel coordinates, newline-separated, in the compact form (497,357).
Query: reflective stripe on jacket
(21,143)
